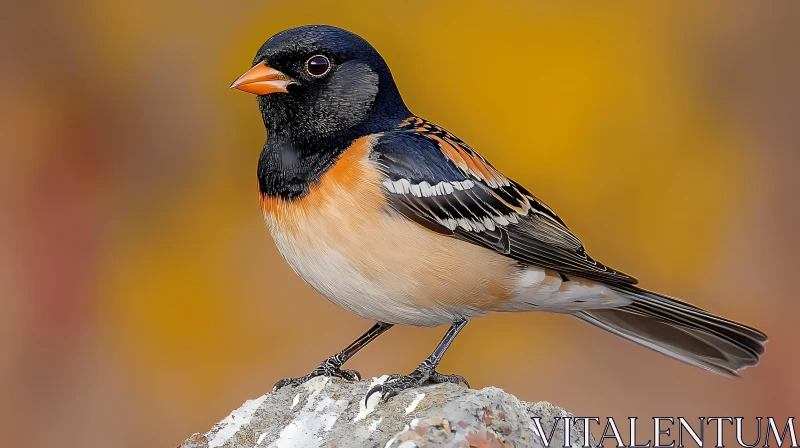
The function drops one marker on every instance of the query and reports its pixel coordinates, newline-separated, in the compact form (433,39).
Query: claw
(398,383)
(375,389)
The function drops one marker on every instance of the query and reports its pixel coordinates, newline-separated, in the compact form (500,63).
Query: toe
(378,389)
(351,375)
(437,377)
(293,381)
(461,379)
(281,384)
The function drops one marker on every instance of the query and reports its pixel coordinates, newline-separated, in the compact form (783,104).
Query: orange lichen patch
(197,439)
(478,440)
(487,415)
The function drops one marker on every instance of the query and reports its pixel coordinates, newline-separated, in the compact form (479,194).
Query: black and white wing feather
(438,181)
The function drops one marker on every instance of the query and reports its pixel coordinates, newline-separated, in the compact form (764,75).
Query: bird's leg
(333,365)
(425,372)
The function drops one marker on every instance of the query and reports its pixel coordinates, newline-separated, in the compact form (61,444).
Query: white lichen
(414,403)
(316,417)
(374,425)
(225,429)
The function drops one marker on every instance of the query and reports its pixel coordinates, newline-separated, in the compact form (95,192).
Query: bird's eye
(318,65)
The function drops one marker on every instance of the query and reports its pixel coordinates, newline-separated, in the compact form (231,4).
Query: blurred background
(143,299)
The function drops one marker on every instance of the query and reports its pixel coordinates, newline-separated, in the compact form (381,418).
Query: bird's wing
(436,180)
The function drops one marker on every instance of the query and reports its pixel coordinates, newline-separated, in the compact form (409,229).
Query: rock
(331,412)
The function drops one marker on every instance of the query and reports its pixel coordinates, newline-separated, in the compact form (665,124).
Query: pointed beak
(262,80)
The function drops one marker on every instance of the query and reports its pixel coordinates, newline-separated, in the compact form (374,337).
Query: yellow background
(143,298)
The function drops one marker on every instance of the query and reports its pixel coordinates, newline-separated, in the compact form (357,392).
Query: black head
(319,86)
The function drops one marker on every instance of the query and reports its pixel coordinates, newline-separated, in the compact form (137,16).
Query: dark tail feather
(681,331)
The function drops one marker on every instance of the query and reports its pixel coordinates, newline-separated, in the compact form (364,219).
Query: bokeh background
(143,299)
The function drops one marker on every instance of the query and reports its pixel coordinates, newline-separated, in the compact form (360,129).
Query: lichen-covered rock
(331,412)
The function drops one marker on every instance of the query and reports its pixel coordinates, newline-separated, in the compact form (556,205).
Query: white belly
(329,271)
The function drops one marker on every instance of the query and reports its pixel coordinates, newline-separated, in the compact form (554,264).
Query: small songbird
(397,220)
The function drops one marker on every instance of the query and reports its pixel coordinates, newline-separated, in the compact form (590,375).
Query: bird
(397,220)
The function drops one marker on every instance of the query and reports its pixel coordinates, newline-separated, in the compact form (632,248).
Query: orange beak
(262,80)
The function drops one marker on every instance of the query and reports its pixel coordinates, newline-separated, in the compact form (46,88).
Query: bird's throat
(287,170)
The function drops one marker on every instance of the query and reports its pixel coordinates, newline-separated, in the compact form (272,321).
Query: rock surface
(331,412)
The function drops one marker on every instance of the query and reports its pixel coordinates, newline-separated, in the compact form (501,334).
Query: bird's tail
(681,331)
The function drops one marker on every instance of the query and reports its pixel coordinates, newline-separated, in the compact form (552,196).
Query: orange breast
(351,172)
(344,240)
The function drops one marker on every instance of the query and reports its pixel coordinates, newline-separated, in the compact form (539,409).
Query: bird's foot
(419,377)
(437,377)
(331,367)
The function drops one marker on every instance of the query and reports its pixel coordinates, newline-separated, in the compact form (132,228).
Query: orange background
(143,298)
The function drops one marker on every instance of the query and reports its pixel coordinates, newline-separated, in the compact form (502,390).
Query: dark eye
(318,65)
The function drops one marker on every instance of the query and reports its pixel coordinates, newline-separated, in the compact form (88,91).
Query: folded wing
(438,181)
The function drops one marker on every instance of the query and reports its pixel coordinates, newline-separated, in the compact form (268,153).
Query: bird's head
(319,82)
